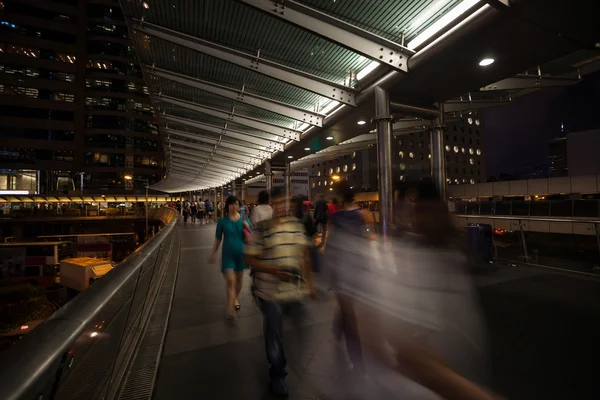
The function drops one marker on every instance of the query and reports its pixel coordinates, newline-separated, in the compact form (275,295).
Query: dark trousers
(273,314)
(345,324)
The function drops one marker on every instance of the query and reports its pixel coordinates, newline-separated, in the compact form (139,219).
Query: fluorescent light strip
(441,23)
(372,66)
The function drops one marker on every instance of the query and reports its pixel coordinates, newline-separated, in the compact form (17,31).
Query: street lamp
(147,186)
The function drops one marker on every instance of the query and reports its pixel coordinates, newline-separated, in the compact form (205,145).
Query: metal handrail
(526,218)
(27,361)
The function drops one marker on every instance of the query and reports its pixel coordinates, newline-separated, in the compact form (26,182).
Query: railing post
(523,242)
(597,233)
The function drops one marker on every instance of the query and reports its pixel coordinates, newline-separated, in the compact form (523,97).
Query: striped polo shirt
(281,243)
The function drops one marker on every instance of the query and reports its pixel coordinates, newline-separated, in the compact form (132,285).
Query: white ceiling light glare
(307,149)
(146,6)
(361,122)
(486,61)
(329,138)
(441,23)
(372,66)
(290,156)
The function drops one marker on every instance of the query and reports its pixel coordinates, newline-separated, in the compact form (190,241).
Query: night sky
(518,134)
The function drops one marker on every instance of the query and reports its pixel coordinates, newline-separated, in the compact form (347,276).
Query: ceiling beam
(240,95)
(222,143)
(457,106)
(232,166)
(190,162)
(210,138)
(232,117)
(529,82)
(184,171)
(268,143)
(303,80)
(213,156)
(347,35)
(211,182)
(246,158)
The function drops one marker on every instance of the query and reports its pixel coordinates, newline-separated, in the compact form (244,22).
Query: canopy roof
(234,83)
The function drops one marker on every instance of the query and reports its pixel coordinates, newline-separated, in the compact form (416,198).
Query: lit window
(353,154)
(472,180)
(411,155)
(462,149)
(402,167)
(477,122)
(456,149)
(478,152)
(353,167)
(22,51)
(68,97)
(346,168)
(470,120)
(326,183)
(400,142)
(447,148)
(471,151)
(318,173)
(313,185)
(319,183)
(401,177)
(338,169)
(471,161)
(330,171)
(429,156)
(401,154)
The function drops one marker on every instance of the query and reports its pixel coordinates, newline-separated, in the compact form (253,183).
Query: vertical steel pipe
(384,159)
(438,158)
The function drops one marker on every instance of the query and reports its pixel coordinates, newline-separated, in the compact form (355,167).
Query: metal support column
(243,190)
(438,158)
(288,186)
(269,176)
(234,189)
(215,204)
(222,201)
(384,158)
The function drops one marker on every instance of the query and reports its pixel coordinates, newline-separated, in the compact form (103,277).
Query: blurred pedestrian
(279,256)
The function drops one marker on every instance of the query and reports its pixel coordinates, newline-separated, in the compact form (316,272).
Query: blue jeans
(273,313)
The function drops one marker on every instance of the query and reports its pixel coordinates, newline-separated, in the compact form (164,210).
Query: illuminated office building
(465,161)
(76,112)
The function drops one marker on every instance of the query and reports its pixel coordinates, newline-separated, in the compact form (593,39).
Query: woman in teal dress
(230,231)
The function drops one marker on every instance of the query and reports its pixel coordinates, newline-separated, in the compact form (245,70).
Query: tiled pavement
(543,328)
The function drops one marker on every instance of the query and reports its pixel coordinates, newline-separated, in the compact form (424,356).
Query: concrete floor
(543,332)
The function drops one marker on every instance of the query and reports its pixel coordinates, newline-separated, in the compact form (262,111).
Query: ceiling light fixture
(486,61)
(146,6)
(307,148)
(361,122)
(329,138)
(290,156)
(441,23)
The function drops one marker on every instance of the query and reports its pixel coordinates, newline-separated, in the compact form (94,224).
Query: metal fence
(536,208)
(83,349)
(562,243)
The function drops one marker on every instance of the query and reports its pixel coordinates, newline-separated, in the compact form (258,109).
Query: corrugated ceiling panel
(196,116)
(244,28)
(179,59)
(387,18)
(176,89)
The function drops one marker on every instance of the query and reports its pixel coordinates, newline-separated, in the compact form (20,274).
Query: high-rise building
(75,111)
(465,162)
(557,158)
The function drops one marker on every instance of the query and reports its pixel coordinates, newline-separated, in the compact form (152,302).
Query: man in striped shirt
(278,254)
